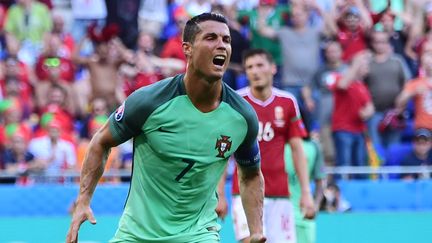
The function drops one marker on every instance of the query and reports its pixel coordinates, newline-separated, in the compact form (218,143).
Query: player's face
(259,71)
(211,51)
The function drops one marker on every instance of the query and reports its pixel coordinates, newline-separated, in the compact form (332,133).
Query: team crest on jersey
(279,116)
(118,115)
(223,145)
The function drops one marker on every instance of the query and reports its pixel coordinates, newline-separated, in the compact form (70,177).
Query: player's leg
(279,220)
(241,229)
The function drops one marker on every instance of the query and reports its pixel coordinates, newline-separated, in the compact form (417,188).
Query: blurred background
(65,66)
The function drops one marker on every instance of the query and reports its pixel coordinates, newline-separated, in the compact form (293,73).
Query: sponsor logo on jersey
(223,145)
(118,115)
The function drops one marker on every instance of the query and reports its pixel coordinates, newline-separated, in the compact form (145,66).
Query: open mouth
(219,60)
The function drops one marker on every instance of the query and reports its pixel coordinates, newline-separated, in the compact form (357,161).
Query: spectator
(52,69)
(319,98)
(98,107)
(103,64)
(420,90)
(66,39)
(54,153)
(353,22)
(57,108)
(27,22)
(352,108)
(300,47)
(333,200)
(398,38)
(421,154)
(17,159)
(385,80)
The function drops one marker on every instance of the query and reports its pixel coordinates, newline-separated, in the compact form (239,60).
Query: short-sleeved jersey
(347,104)
(315,170)
(279,120)
(180,154)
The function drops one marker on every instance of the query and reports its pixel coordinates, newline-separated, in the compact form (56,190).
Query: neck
(334,64)
(205,95)
(261,93)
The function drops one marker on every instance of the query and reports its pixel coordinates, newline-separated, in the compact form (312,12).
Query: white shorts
(279,225)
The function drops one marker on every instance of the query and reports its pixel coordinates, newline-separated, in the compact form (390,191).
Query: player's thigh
(241,229)
(279,222)
(306,233)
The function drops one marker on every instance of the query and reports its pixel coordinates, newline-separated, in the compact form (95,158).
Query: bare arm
(403,98)
(365,16)
(359,62)
(93,167)
(251,183)
(263,28)
(367,111)
(76,57)
(300,165)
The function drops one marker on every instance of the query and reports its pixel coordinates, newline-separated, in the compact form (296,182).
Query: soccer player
(306,228)
(279,123)
(184,129)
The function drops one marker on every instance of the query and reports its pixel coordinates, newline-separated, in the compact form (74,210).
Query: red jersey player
(279,123)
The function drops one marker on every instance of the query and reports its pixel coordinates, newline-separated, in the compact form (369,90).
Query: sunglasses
(52,62)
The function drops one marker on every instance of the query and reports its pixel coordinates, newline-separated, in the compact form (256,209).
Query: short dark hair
(257,51)
(192,28)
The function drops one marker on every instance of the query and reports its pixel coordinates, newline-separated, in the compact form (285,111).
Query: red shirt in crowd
(347,105)
(65,66)
(352,42)
(279,120)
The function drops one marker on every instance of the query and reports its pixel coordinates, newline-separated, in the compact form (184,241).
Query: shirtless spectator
(103,64)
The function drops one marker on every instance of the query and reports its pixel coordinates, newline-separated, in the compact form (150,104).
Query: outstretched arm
(251,183)
(93,167)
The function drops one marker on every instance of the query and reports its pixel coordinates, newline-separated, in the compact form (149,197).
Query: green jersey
(180,154)
(315,163)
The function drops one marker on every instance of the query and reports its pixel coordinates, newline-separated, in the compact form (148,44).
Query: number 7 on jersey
(185,170)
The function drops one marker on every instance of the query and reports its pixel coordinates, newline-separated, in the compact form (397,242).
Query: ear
(273,69)
(187,48)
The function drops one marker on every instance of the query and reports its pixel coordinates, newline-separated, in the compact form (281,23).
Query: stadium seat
(395,154)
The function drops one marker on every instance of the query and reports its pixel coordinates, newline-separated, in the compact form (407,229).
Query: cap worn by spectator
(352,11)
(423,133)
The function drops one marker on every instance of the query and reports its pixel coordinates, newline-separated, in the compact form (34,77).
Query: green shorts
(306,233)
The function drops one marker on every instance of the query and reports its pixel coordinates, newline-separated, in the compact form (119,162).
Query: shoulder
(284,97)
(238,103)
(152,96)
(243,92)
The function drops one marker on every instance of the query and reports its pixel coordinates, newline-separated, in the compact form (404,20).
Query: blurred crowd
(361,71)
